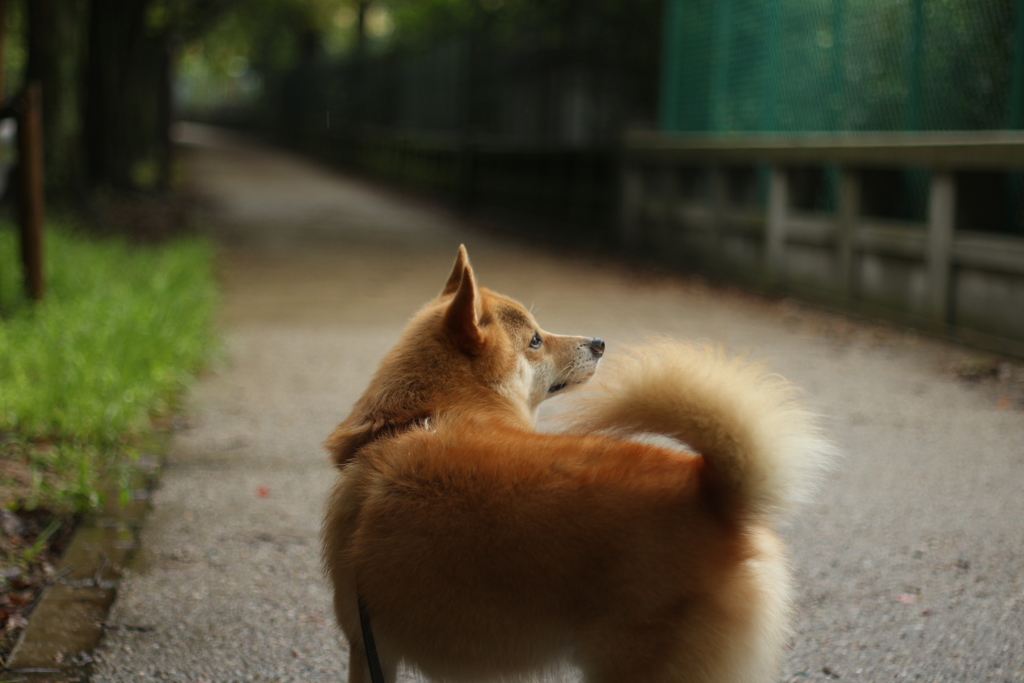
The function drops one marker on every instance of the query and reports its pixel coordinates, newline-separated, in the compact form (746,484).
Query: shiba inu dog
(479,548)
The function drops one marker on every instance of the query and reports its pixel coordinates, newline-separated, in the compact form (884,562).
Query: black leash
(376,674)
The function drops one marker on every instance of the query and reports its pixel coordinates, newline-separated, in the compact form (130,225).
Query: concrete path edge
(68,622)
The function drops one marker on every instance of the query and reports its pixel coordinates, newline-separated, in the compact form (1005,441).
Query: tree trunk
(165,113)
(56,52)
(120,79)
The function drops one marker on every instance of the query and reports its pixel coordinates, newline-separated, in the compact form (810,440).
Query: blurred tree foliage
(108,70)
(570,24)
(444,65)
(105,67)
(248,50)
(112,69)
(268,35)
(612,45)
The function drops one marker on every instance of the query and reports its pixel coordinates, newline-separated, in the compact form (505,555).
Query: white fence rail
(934,274)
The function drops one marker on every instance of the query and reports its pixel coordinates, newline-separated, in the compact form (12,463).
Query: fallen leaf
(312,619)
(1004,403)
(262,492)
(16,621)
(906,598)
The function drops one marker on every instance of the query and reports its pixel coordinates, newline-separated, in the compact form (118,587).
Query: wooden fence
(730,207)
(749,209)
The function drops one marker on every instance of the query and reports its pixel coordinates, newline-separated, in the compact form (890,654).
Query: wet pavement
(909,566)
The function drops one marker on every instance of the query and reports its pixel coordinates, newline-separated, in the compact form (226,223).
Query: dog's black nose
(596,347)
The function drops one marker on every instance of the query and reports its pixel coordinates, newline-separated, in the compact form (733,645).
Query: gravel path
(910,566)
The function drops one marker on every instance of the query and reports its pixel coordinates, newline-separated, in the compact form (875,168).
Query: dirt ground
(908,566)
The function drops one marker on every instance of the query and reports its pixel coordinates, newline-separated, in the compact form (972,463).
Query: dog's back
(482,548)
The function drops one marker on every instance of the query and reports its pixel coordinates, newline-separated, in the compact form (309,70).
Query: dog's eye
(536,341)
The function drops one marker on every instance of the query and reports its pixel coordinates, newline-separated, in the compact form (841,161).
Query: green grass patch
(121,332)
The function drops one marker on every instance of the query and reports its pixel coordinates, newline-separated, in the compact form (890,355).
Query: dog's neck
(487,407)
(377,416)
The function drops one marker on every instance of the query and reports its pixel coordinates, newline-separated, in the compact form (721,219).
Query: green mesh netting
(842,65)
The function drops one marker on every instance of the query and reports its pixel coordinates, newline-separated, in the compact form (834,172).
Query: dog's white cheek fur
(543,377)
(529,385)
(537,379)
(521,386)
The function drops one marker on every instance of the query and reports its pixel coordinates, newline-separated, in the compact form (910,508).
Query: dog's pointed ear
(461,320)
(455,279)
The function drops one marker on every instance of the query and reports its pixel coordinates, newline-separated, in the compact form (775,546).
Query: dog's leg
(359,670)
(715,643)
(625,672)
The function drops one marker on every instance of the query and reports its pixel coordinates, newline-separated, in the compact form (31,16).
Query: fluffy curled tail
(764,452)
